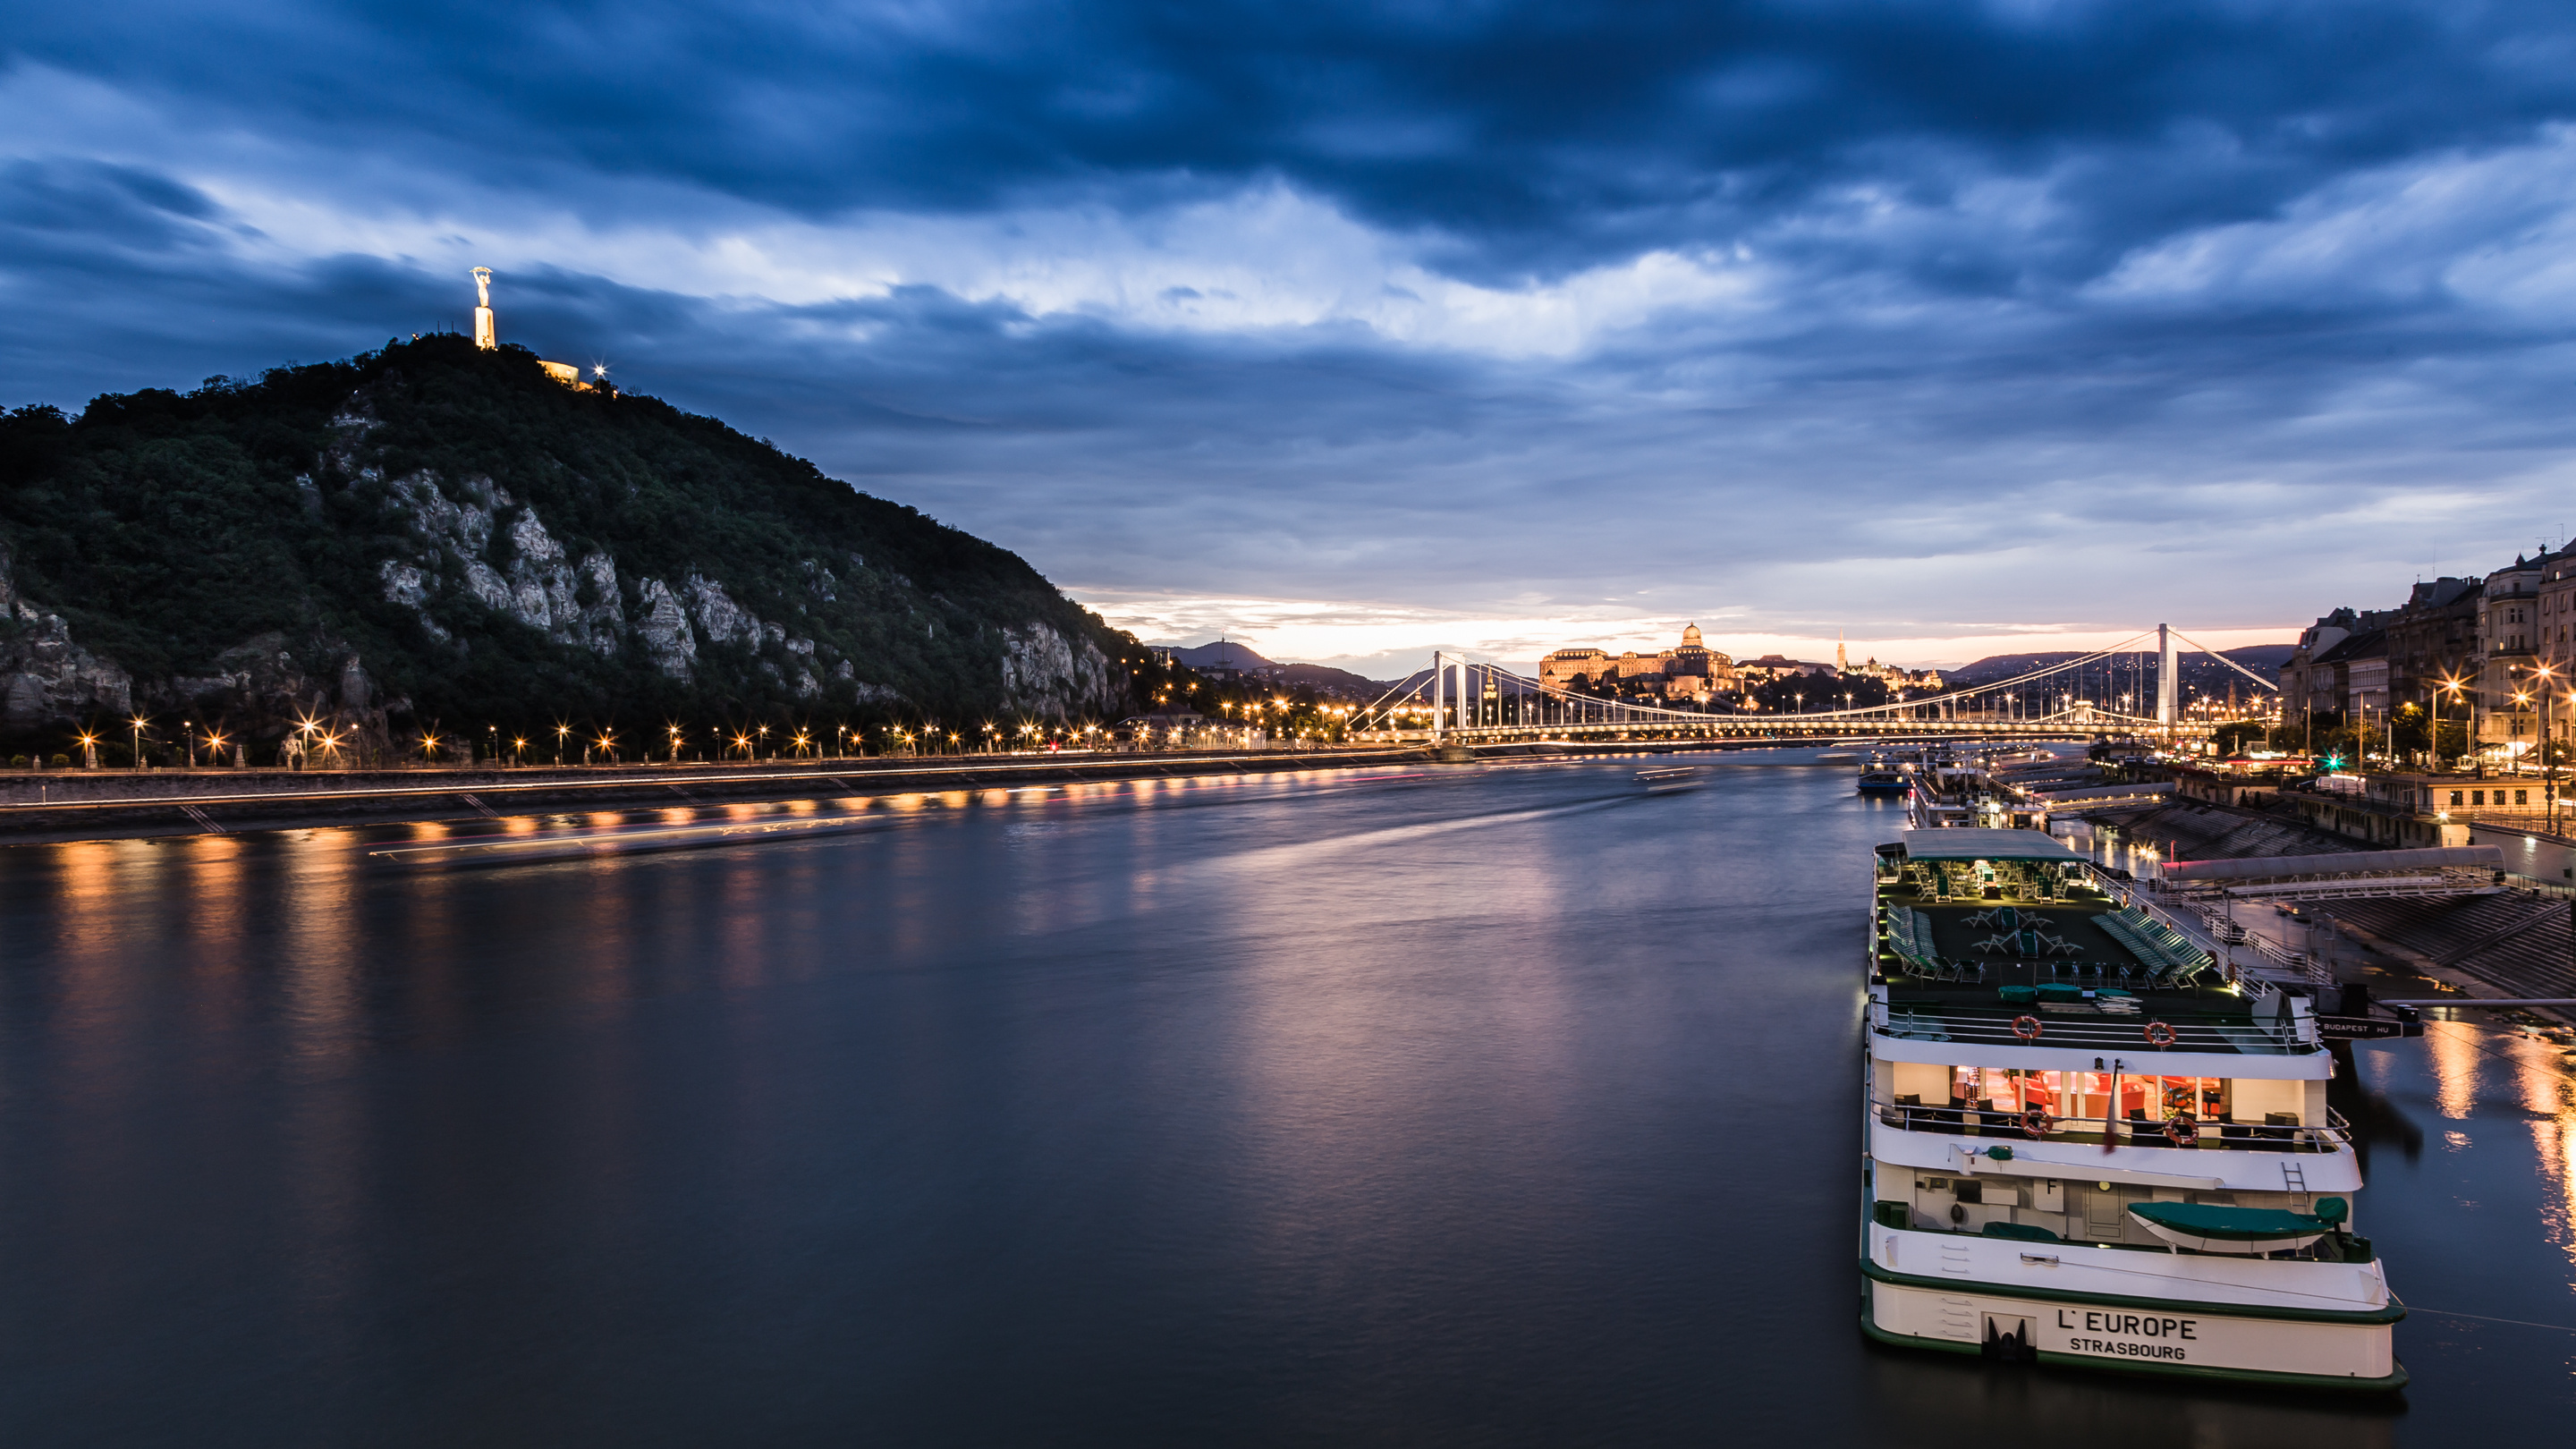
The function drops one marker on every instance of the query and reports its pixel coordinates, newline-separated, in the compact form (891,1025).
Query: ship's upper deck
(2008,938)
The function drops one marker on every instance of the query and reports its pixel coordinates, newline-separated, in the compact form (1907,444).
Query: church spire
(1842,661)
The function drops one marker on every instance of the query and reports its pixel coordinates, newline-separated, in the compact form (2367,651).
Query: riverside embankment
(98,804)
(60,805)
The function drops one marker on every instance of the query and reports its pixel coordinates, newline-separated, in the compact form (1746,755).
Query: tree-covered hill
(434,534)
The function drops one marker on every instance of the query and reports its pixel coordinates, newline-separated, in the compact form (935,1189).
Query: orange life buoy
(2036,1122)
(2160,1035)
(2181,1130)
(2026,1027)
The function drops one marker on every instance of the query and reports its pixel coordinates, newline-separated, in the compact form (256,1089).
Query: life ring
(2026,1027)
(2036,1122)
(2181,1131)
(2159,1035)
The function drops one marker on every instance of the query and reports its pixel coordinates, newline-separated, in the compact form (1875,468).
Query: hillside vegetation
(436,535)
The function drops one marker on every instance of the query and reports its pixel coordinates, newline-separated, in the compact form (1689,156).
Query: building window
(2455,797)
(2522,797)
(2479,797)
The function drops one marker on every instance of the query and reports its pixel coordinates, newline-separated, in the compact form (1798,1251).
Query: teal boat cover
(2026,1232)
(2236,1225)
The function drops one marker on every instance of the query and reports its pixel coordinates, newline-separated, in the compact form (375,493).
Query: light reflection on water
(2480,1071)
(1433,1106)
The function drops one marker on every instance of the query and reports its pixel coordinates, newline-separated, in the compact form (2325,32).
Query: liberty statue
(484,335)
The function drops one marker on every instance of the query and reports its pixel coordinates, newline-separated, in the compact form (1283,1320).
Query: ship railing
(1985,1026)
(2008,1126)
(2146,898)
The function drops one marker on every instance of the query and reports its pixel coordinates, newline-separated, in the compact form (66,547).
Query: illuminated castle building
(1690,670)
(1693,671)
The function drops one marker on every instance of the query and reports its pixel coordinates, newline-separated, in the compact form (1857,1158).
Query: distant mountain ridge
(2198,670)
(1224,654)
(1321,678)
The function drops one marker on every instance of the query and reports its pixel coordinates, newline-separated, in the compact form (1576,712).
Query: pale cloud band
(1388,641)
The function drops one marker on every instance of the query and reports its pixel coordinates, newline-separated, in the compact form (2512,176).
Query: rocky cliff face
(1044,673)
(460,538)
(44,676)
(47,681)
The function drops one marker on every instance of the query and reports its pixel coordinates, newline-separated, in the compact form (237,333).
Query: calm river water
(1468,1105)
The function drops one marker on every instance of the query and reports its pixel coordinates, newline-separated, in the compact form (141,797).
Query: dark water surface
(1489,1106)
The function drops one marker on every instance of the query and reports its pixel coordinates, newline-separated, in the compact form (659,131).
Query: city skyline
(1364,333)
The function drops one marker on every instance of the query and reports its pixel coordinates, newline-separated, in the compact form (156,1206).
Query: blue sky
(1359,330)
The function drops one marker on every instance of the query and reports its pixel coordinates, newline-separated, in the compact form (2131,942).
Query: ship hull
(2185,1340)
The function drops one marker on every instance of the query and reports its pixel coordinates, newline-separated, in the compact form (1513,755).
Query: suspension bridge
(1462,700)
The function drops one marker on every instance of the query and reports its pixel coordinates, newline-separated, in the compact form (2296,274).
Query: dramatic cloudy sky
(1359,329)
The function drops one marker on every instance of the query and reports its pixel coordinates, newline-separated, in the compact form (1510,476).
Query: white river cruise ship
(2086,1147)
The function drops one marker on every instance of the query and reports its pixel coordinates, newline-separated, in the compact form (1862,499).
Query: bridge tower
(2168,679)
(1441,665)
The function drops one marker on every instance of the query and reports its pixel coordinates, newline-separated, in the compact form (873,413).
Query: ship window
(2261,1099)
(2087,1096)
(1924,1082)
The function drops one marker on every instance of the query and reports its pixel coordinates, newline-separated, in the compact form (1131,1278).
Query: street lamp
(2548,771)
(139,722)
(2451,683)
(563,734)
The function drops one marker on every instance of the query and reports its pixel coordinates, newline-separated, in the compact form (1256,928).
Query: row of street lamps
(312,735)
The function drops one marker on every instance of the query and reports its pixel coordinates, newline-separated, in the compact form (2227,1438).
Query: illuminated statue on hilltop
(488,338)
(484,335)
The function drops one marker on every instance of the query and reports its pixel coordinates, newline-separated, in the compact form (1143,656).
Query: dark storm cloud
(1530,135)
(1984,294)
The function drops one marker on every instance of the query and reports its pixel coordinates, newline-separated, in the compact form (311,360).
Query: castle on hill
(1692,671)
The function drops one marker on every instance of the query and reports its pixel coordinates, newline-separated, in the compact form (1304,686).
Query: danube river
(1418,1106)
